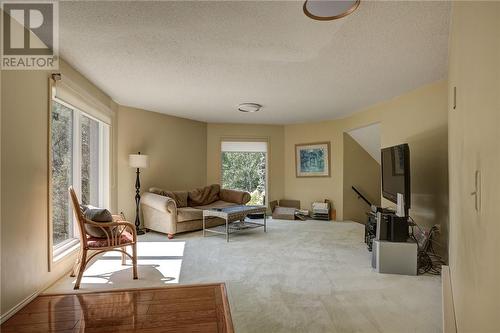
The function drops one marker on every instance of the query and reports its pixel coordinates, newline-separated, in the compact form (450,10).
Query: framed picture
(312,159)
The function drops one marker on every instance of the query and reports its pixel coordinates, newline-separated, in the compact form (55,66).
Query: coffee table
(235,219)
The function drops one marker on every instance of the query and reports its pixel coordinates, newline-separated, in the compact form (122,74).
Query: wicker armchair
(119,235)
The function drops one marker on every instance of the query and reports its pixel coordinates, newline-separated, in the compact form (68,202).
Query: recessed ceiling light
(327,10)
(249,107)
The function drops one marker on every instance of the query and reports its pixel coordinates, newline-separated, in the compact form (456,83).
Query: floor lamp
(138,161)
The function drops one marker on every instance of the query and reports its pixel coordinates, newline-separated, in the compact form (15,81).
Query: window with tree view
(62,171)
(244,168)
(79,158)
(89,129)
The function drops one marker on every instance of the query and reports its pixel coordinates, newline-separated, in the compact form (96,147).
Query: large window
(79,157)
(62,171)
(244,167)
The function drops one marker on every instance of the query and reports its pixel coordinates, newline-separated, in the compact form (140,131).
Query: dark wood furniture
(191,308)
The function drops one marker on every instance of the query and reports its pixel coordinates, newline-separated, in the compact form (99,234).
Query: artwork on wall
(312,159)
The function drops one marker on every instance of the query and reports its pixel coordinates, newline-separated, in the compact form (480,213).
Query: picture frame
(312,159)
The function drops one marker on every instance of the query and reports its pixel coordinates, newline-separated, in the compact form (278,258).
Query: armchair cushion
(95,214)
(97,242)
(180,197)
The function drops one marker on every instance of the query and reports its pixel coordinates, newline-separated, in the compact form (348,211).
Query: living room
(171,89)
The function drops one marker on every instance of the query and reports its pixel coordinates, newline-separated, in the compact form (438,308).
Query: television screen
(396,173)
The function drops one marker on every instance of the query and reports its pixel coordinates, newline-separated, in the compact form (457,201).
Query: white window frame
(68,246)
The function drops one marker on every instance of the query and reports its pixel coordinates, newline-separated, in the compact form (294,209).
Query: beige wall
(176,148)
(362,171)
(178,160)
(24,184)
(274,134)
(419,118)
(93,95)
(308,190)
(474,137)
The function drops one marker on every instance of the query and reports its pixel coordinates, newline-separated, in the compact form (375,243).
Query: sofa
(172,212)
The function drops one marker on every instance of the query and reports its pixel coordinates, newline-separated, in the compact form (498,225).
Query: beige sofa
(172,212)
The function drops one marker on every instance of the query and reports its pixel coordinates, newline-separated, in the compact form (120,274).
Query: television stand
(395,257)
(393,228)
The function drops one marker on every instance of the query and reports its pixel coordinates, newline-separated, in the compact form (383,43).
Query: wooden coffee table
(235,219)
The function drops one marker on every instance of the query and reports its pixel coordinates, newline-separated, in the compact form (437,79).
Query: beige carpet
(311,276)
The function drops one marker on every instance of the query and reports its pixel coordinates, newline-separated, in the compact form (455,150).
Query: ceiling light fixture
(327,10)
(249,107)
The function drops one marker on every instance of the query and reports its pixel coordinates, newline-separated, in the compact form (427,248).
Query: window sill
(63,251)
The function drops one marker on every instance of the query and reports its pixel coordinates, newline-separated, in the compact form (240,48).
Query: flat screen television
(396,173)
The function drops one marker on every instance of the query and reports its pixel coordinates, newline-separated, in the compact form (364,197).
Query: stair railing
(361,196)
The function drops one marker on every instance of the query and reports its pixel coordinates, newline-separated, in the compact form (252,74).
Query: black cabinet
(392,228)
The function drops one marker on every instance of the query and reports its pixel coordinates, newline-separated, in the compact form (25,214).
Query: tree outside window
(245,171)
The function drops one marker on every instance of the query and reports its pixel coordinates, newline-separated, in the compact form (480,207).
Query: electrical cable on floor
(428,261)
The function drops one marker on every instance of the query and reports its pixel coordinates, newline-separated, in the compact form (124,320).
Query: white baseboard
(449,321)
(24,302)
(19,306)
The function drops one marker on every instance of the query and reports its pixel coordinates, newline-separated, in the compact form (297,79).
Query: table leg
(203,225)
(265,222)
(227,229)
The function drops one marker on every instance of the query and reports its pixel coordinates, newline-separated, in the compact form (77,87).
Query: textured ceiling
(199,60)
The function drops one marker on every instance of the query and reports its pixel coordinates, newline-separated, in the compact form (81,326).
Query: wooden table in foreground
(196,308)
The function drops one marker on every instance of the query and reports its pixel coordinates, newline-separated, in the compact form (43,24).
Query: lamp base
(140,232)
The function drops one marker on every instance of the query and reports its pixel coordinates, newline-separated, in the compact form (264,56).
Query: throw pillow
(180,197)
(99,215)
(204,196)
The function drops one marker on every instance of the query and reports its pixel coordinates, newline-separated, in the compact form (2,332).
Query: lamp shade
(138,161)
